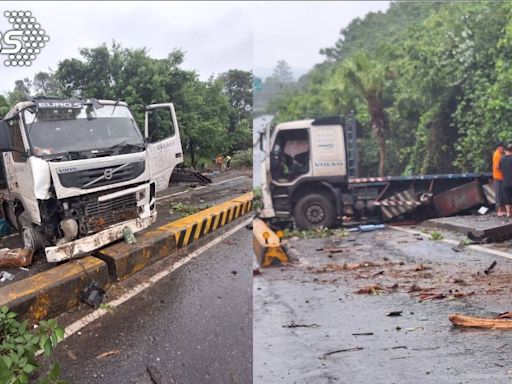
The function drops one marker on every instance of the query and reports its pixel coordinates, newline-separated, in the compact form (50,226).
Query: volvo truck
(79,172)
(309,179)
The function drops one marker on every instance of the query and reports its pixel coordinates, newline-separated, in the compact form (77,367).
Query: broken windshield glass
(87,131)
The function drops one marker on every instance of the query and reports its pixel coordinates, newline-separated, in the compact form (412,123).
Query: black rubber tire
(314,211)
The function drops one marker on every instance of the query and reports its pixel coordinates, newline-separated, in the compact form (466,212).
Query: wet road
(310,325)
(192,326)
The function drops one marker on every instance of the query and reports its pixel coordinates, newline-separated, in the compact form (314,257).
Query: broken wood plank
(343,350)
(479,322)
(14,258)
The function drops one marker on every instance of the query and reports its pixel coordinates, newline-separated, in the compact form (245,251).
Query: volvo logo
(108,173)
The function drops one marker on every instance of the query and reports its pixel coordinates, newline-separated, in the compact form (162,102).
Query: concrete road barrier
(267,245)
(125,259)
(195,226)
(52,292)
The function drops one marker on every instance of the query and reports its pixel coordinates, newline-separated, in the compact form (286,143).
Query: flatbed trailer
(419,197)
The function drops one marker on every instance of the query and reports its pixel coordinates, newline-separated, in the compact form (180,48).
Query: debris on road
(108,354)
(432,296)
(394,314)
(363,334)
(294,325)
(483,210)
(479,322)
(367,228)
(92,295)
(6,276)
(353,349)
(491,268)
(15,258)
(369,290)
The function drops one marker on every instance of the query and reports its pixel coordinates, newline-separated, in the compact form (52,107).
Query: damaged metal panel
(398,204)
(458,199)
(489,193)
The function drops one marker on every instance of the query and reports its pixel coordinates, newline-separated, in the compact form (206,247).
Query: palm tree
(366,79)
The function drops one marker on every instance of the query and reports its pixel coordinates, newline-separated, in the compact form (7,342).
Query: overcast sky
(296,31)
(216,36)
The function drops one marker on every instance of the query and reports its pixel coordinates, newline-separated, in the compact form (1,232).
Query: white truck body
(78,194)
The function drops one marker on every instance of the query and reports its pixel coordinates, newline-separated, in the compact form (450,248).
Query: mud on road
(373,308)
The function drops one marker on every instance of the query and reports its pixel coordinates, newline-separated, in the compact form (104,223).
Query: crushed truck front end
(86,174)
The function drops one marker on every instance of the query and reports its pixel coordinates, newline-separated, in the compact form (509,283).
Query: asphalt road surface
(373,308)
(192,326)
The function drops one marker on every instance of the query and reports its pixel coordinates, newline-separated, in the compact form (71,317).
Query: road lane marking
(225,181)
(86,320)
(197,188)
(478,248)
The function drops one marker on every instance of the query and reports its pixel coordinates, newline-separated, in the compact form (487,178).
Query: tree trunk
(192,154)
(381,141)
(378,121)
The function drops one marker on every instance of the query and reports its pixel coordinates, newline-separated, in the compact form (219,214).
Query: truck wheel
(314,211)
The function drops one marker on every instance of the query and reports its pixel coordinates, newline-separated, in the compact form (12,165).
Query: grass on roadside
(314,233)
(185,210)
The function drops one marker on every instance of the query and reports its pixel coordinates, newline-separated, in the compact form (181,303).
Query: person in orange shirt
(497,175)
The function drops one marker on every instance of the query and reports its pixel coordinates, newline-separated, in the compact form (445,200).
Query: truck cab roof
(31,103)
(308,123)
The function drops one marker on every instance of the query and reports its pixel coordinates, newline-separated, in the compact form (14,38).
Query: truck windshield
(87,131)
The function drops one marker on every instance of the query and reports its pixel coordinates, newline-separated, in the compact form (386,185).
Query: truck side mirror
(5,137)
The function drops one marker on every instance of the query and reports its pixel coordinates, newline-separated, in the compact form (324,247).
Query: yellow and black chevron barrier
(267,245)
(195,226)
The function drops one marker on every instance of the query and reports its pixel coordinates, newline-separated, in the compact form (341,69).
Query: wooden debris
(479,322)
(505,315)
(369,290)
(432,296)
(343,350)
(491,268)
(294,325)
(109,353)
(15,258)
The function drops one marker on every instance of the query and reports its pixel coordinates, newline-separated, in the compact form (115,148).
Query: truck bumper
(90,243)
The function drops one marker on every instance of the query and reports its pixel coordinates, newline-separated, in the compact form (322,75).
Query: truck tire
(314,211)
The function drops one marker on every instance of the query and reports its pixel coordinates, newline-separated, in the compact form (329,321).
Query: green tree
(283,73)
(366,79)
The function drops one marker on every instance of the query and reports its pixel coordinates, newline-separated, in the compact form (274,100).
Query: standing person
(506,168)
(219,160)
(228,162)
(497,175)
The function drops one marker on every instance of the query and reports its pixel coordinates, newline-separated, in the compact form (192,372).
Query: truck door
(164,145)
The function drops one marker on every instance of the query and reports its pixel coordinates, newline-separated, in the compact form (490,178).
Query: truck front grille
(97,177)
(98,215)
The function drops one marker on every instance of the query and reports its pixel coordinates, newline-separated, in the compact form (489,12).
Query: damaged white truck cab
(304,171)
(79,172)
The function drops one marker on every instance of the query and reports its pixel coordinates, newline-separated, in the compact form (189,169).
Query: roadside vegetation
(183,210)
(314,233)
(430,84)
(215,116)
(19,345)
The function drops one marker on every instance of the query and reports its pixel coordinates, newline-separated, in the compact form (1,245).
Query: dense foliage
(215,116)
(19,345)
(441,73)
